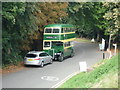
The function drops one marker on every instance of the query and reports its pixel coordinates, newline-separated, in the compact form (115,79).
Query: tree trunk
(98,36)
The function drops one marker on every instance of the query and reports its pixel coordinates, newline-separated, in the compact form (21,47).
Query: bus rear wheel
(61,58)
(72,54)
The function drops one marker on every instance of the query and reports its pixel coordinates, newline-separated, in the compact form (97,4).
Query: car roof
(35,52)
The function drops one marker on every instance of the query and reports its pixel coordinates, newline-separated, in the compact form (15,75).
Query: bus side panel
(59,37)
(65,52)
(68,51)
(52,37)
(67,36)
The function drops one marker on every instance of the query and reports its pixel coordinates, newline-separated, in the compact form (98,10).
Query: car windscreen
(31,55)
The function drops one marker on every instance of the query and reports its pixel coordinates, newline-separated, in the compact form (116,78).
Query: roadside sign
(83,66)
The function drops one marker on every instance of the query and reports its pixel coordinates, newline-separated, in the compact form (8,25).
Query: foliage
(88,79)
(49,13)
(94,19)
(88,17)
(22,25)
(8,21)
(46,13)
(113,17)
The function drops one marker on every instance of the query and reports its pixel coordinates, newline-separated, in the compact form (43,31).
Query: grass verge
(104,75)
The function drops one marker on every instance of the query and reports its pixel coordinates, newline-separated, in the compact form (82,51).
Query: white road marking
(65,79)
(49,78)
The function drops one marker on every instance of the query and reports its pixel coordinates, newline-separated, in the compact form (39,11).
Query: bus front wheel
(60,58)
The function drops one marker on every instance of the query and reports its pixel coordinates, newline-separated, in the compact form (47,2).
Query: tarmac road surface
(51,74)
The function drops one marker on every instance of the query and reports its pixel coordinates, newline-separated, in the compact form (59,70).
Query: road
(35,77)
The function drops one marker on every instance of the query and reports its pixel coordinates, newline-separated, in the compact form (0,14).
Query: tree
(17,27)
(112,16)
(47,13)
(23,25)
(88,17)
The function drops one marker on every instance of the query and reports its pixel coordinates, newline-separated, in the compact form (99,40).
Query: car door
(48,58)
(43,57)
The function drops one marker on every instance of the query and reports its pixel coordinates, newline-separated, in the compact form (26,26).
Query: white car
(38,58)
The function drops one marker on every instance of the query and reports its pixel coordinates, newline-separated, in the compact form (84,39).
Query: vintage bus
(58,40)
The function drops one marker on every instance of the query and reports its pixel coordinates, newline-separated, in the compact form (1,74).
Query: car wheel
(25,65)
(42,64)
(51,61)
(60,58)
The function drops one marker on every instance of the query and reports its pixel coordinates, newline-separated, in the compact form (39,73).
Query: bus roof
(59,25)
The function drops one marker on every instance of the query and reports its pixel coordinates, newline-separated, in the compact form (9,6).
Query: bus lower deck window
(46,44)
(67,44)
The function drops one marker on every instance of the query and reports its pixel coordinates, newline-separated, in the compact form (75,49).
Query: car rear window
(31,55)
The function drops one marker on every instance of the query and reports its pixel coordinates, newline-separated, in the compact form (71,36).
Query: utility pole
(115,45)
(109,46)
(109,41)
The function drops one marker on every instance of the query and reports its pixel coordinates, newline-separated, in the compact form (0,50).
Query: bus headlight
(55,53)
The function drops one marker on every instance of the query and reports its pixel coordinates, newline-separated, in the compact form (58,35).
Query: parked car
(38,58)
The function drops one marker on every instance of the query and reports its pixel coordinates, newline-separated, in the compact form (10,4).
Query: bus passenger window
(70,29)
(66,44)
(65,29)
(55,30)
(62,30)
(46,44)
(48,30)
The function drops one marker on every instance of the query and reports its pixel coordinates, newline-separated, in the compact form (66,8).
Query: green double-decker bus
(58,40)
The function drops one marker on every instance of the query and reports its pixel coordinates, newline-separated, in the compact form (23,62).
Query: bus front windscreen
(57,43)
(46,44)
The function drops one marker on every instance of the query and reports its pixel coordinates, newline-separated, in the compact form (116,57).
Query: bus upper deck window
(65,29)
(62,30)
(55,30)
(72,29)
(48,30)
(46,44)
